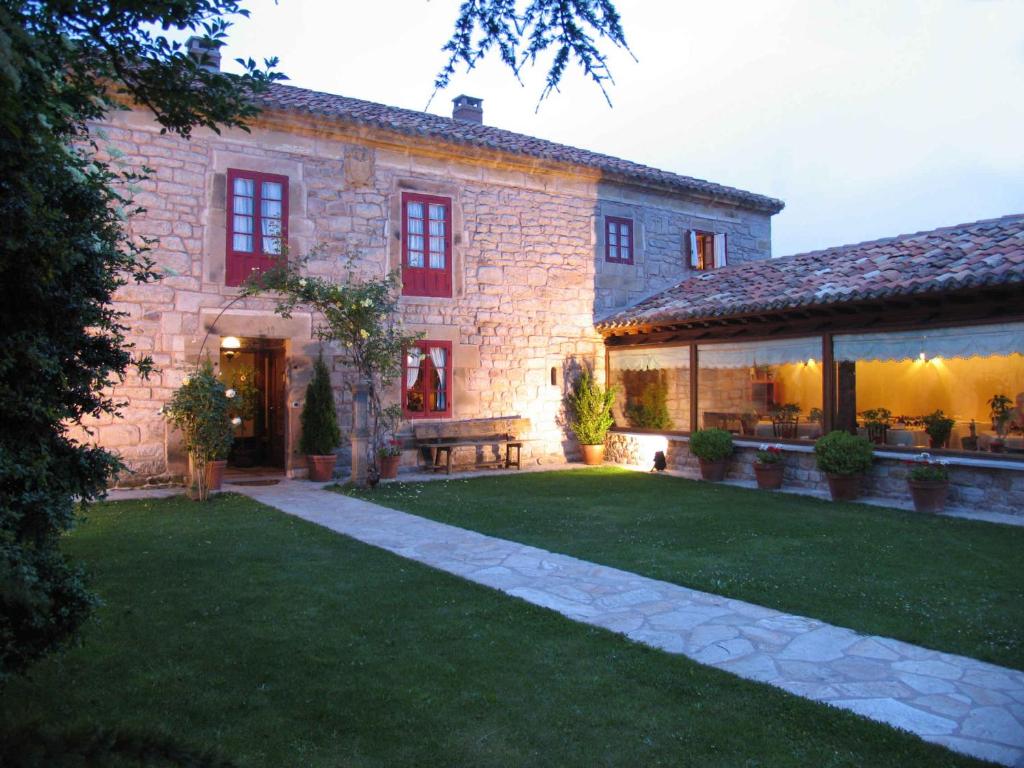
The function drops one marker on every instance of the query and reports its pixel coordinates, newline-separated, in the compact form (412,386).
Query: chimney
(206,54)
(468,108)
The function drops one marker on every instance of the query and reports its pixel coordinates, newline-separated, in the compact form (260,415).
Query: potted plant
(748,422)
(201,409)
(970,443)
(876,422)
(590,417)
(928,481)
(389,453)
(769,468)
(651,412)
(320,433)
(1000,407)
(939,427)
(786,420)
(844,459)
(712,447)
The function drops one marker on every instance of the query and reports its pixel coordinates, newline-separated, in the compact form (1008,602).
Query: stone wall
(528,268)
(987,489)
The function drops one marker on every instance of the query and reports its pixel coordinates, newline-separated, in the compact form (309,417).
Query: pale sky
(869,118)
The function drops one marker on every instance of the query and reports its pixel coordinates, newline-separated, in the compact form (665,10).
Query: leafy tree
(522,31)
(64,66)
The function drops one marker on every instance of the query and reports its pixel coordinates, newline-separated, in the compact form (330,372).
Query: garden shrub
(711,444)
(320,432)
(840,453)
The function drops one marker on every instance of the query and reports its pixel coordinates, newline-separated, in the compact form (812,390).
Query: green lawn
(953,585)
(282,644)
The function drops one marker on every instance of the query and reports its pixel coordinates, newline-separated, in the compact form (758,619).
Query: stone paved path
(966,705)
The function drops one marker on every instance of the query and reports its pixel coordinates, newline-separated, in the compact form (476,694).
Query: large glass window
(427,380)
(889,386)
(653,387)
(765,389)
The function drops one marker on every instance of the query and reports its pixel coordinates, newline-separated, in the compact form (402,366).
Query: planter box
(844,487)
(769,476)
(929,495)
(713,470)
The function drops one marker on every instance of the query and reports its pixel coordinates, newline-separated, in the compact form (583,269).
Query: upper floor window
(426,245)
(707,250)
(618,240)
(427,380)
(257,222)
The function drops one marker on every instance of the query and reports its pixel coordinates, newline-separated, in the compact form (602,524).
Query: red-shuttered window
(257,222)
(426,245)
(427,380)
(618,240)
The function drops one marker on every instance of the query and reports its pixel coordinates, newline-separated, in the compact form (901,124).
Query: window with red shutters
(257,222)
(618,240)
(426,245)
(427,380)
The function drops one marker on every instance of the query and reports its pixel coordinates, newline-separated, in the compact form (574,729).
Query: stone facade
(529,276)
(972,486)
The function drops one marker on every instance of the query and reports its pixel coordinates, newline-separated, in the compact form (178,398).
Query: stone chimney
(468,108)
(207,56)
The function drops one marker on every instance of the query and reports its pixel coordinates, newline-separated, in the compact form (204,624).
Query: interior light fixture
(922,357)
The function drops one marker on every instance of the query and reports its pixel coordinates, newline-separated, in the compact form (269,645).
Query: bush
(711,444)
(320,432)
(652,410)
(590,407)
(840,453)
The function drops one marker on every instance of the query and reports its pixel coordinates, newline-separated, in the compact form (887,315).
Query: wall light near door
(230,345)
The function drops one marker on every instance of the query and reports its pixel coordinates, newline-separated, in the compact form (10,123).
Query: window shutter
(720,255)
(693,249)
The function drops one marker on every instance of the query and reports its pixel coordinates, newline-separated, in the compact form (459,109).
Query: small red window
(618,240)
(426,245)
(427,380)
(257,222)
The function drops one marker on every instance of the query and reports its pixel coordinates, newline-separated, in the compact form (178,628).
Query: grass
(953,585)
(282,644)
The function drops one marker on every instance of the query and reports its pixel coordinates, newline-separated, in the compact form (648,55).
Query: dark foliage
(63,254)
(320,434)
(522,34)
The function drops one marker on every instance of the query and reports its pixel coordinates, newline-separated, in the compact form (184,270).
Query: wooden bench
(440,439)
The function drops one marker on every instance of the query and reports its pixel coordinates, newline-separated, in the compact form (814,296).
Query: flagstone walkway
(964,704)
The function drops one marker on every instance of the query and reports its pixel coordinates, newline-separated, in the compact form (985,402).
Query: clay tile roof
(983,253)
(412,123)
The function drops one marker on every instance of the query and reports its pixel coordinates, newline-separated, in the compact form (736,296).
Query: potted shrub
(1000,407)
(939,427)
(389,453)
(652,410)
(769,468)
(712,447)
(201,409)
(844,459)
(928,481)
(590,417)
(320,433)
(876,423)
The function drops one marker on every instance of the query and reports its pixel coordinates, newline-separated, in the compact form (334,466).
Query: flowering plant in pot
(844,459)
(320,432)
(201,409)
(939,427)
(928,480)
(389,451)
(590,415)
(769,467)
(712,447)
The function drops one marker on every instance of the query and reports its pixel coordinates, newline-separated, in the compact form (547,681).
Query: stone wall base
(980,489)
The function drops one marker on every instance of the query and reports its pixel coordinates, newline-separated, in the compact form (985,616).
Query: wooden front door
(275,373)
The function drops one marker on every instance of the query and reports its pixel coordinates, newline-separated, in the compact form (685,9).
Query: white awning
(648,358)
(750,354)
(975,341)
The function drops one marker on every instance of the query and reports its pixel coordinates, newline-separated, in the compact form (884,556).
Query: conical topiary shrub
(320,433)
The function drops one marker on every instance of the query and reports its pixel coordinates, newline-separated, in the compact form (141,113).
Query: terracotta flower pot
(713,470)
(215,473)
(769,476)
(321,468)
(388,466)
(593,454)
(844,487)
(929,495)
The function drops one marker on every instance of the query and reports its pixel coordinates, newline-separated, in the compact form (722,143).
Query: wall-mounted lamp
(922,357)
(230,345)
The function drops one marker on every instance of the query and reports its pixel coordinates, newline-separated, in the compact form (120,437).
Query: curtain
(438,356)
(648,358)
(979,341)
(412,366)
(694,262)
(720,258)
(749,354)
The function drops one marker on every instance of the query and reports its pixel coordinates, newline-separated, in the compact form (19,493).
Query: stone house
(510,249)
